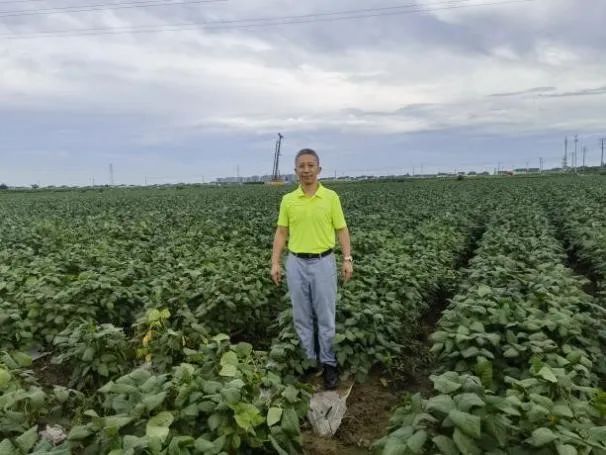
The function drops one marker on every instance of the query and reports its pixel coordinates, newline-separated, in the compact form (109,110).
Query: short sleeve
(283,216)
(338,219)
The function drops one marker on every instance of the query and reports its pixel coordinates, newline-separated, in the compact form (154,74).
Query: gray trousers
(312,284)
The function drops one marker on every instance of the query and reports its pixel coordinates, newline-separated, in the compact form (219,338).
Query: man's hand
(276,274)
(347,271)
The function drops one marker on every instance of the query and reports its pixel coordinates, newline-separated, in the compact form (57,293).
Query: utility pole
(527,171)
(584,155)
(565,160)
(111,174)
(541,165)
(602,160)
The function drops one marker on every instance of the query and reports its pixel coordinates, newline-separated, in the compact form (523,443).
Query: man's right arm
(279,241)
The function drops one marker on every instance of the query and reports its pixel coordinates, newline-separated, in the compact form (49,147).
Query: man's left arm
(338,221)
(345,242)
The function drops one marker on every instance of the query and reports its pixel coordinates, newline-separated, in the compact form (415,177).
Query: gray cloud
(529,91)
(478,81)
(583,92)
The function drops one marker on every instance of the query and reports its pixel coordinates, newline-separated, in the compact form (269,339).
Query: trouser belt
(312,255)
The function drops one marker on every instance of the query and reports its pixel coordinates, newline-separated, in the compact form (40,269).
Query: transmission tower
(275,175)
(574,160)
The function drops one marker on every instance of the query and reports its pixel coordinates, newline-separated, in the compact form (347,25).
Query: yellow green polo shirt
(311,221)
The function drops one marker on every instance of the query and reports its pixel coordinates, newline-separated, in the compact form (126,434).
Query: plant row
(519,355)
(581,218)
(221,400)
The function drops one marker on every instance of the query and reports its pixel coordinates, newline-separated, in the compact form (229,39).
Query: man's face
(307,169)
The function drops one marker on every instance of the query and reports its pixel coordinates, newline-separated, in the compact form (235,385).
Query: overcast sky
(459,88)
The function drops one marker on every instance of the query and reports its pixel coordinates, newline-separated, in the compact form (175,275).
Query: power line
(265,21)
(102,7)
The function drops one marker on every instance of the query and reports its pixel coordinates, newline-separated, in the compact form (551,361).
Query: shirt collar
(319,191)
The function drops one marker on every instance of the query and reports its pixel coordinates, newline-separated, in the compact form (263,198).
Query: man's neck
(310,189)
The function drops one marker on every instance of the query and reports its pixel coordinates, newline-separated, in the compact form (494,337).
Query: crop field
(144,321)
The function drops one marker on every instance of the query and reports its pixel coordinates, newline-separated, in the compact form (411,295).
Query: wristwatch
(348,258)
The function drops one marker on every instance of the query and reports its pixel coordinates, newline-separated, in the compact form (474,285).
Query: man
(309,218)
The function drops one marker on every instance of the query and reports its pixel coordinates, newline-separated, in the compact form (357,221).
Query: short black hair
(307,152)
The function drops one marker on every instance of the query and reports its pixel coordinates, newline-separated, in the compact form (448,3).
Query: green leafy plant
(94,353)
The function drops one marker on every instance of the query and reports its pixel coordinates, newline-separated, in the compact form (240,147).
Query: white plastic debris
(326,411)
(54,433)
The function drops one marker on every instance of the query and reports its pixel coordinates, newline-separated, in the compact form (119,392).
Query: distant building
(288,178)
(530,170)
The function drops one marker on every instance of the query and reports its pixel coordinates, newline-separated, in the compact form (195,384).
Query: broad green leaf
(158,426)
(5,377)
(598,433)
(441,403)
(290,421)
(465,444)
(562,410)
(468,423)
(274,414)
(78,433)
(231,395)
(214,421)
(243,349)
(444,385)
(229,358)
(446,445)
(511,353)
(496,426)
(203,445)
(547,374)
(565,449)
(228,371)
(416,442)
(7,448)
(22,359)
(484,290)
(541,437)
(103,370)
(220,337)
(276,446)
(117,421)
(89,354)
(28,439)
(466,401)
(151,402)
(477,326)
(247,416)
(134,442)
(395,447)
(37,398)
(291,394)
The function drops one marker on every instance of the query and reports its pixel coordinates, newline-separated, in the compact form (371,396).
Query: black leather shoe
(331,377)
(310,372)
